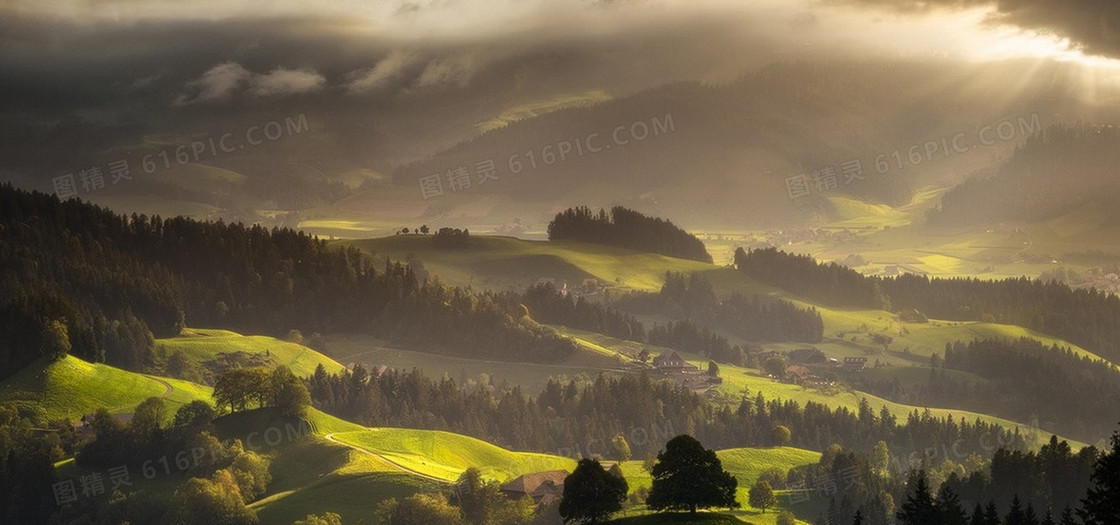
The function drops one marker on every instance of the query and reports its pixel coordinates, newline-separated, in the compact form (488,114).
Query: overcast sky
(95,57)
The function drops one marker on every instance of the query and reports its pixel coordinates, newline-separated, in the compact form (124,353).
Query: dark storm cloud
(1093,25)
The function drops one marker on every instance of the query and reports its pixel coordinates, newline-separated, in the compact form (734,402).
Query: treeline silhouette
(830,284)
(567,415)
(628,229)
(1018,380)
(1088,318)
(546,304)
(1014,488)
(751,317)
(81,279)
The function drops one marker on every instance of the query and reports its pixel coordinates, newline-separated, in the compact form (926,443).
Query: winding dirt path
(330,437)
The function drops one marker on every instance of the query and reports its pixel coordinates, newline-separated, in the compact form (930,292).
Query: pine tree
(919,508)
(1101,505)
(991,515)
(1015,516)
(949,508)
(977,515)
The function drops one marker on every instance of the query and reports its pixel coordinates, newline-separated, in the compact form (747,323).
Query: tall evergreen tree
(919,508)
(1101,505)
(949,508)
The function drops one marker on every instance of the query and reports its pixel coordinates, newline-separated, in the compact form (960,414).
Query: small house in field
(798,374)
(543,487)
(807,356)
(670,363)
(83,428)
(855,364)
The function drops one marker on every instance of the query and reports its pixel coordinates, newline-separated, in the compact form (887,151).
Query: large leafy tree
(761,495)
(688,476)
(591,494)
(480,502)
(1102,503)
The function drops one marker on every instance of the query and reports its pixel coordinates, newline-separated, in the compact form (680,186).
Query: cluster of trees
(27,456)
(583,417)
(1014,488)
(686,476)
(688,336)
(472,500)
(464,323)
(1087,318)
(1075,490)
(242,388)
(831,284)
(451,238)
(216,483)
(548,305)
(754,318)
(629,229)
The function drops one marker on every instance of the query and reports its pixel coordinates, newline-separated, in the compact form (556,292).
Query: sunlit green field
(445,456)
(746,464)
(504,262)
(738,380)
(371,352)
(200,345)
(71,387)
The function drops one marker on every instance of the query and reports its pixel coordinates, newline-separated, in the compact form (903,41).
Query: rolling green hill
(70,388)
(746,464)
(506,262)
(736,379)
(202,346)
(445,456)
(704,518)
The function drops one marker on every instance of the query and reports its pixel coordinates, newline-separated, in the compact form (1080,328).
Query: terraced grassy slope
(200,345)
(70,387)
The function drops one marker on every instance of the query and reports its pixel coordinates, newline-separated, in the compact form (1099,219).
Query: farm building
(855,364)
(543,487)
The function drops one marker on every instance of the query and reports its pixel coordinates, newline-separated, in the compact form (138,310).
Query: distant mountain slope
(1057,172)
(725,158)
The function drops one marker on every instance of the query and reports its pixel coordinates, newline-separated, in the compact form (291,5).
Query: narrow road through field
(167,389)
(330,437)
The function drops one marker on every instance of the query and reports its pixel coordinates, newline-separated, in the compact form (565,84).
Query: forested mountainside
(81,279)
(1057,171)
(1084,317)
